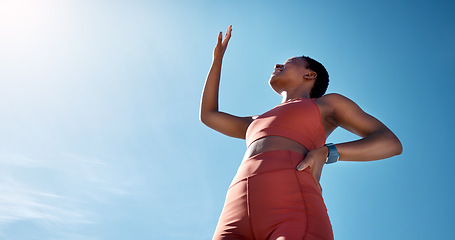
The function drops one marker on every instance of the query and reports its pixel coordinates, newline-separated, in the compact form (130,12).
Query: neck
(293,95)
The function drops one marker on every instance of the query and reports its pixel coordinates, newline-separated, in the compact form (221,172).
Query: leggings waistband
(267,162)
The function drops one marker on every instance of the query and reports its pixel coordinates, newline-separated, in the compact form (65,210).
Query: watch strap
(333,153)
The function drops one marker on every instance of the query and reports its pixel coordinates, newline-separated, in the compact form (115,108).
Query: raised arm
(209,113)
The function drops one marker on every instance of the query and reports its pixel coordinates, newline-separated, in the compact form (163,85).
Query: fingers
(220,37)
(228,35)
(302,165)
(316,172)
(228,32)
(222,43)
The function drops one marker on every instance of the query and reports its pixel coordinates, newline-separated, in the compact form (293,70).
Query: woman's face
(288,74)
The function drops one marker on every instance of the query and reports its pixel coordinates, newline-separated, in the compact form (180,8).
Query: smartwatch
(333,153)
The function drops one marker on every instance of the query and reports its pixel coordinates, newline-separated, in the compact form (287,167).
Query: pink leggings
(270,199)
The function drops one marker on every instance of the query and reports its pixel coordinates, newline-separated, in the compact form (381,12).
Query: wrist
(218,56)
(333,155)
(217,61)
(324,151)
(320,153)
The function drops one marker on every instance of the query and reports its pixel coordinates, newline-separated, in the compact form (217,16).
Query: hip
(284,161)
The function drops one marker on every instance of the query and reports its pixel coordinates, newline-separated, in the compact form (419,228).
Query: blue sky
(99,130)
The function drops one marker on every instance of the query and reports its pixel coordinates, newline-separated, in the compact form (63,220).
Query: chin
(272,83)
(273,80)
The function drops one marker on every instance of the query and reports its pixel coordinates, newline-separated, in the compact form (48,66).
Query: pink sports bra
(298,119)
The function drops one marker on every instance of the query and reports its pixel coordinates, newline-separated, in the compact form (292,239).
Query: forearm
(209,99)
(379,145)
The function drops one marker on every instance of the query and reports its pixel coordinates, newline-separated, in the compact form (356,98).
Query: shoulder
(333,98)
(335,105)
(336,101)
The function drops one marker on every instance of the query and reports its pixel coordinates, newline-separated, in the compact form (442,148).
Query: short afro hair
(322,78)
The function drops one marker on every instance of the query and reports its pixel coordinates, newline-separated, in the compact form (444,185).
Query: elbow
(396,146)
(204,117)
(399,148)
(391,145)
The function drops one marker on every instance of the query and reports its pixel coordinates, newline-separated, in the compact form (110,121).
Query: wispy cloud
(62,190)
(19,201)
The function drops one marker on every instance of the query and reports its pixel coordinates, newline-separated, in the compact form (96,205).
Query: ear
(310,75)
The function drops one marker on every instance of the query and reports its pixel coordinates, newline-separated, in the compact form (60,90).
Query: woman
(276,193)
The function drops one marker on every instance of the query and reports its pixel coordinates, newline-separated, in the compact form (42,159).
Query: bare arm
(377,142)
(209,113)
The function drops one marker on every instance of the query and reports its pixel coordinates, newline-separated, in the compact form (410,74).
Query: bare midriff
(274,143)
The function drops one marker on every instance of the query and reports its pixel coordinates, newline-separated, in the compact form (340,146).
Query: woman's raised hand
(221,46)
